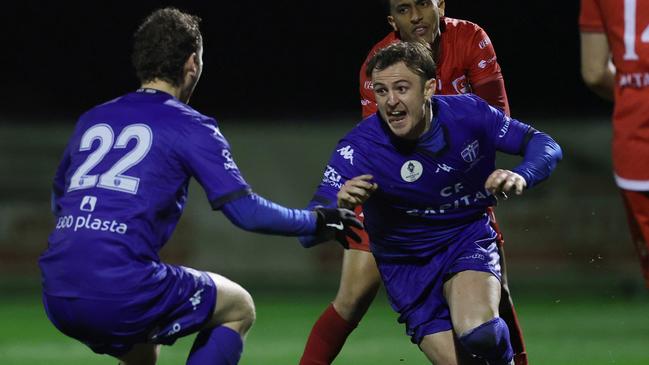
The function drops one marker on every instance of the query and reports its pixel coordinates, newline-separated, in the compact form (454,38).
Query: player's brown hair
(416,56)
(162,44)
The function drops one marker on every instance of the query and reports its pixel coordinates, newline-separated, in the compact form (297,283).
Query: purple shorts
(113,326)
(415,287)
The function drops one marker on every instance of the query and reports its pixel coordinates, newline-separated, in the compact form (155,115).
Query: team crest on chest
(470,152)
(411,170)
(461,85)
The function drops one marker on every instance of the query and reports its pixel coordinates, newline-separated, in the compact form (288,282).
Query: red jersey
(466,58)
(626,24)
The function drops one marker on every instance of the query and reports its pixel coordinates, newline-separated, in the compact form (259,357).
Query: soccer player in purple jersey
(424,170)
(118,194)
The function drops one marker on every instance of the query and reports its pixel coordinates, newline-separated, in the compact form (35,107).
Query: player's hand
(335,224)
(503,182)
(356,191)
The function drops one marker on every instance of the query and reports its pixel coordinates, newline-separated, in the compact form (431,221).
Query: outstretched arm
(256,214)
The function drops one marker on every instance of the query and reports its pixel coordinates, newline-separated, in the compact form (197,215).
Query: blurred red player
(466,63)
(615,65)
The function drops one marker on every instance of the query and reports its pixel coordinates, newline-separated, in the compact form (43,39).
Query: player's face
(415,20)
(402,99)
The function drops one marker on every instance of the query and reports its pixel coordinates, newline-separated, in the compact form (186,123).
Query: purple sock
(490,341)
(216,346)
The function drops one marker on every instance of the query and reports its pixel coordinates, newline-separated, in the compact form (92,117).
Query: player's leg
(141,354)
(221,339)
(473,298)
(439,348)
(359,283)
(506,306)
(442,348)
(637,209)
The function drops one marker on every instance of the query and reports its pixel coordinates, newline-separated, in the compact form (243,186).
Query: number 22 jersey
(121,188)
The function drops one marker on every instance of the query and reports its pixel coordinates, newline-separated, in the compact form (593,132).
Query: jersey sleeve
(207,155)
(346,162)
(590,16)
(509,135)
(481,57)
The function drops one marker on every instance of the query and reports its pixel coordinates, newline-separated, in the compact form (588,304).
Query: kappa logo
(88,203)
(348,153)
(411,170)
(443,167)
(470,152)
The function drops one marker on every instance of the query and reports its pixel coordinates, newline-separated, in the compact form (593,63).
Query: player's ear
(392,23)
(192,65)
(441,4)
(429,88)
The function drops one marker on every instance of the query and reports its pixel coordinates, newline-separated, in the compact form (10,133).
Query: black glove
(335,224)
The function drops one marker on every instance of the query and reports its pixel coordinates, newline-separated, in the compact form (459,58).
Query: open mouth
(396,117)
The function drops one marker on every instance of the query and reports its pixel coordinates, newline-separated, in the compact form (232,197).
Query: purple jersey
(121,188)
(430,190)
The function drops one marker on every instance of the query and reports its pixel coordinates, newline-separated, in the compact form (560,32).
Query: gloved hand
(335,224)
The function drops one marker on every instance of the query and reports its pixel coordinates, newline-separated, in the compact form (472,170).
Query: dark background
(272,59)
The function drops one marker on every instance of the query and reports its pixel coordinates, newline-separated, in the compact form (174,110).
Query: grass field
(570,331)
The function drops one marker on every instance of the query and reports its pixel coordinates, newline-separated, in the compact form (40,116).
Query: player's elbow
(594,77)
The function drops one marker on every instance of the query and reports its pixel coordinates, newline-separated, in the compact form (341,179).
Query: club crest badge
(411,170)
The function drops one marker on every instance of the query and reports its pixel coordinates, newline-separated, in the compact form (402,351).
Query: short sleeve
(483,64)
(207,155)
(590,16)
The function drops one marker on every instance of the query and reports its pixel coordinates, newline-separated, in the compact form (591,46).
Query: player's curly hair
(162,44)
(417,57)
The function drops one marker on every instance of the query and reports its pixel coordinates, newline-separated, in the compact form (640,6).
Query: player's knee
(246,311)
(489,341)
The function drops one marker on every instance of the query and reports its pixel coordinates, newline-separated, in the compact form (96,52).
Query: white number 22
(113,178)
(629,31)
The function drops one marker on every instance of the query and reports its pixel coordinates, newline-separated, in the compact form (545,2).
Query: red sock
(327,338)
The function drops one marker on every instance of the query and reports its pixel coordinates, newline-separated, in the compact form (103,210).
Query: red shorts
(364,245)
(637,212)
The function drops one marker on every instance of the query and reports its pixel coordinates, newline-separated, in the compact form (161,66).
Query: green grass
(570,331)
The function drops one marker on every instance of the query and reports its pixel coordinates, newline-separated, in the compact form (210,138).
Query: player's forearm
(601,82)
(541,156)
(256,214)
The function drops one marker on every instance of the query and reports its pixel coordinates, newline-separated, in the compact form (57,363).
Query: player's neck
(163,86)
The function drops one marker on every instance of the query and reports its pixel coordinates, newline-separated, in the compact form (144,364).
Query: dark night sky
(271,58)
